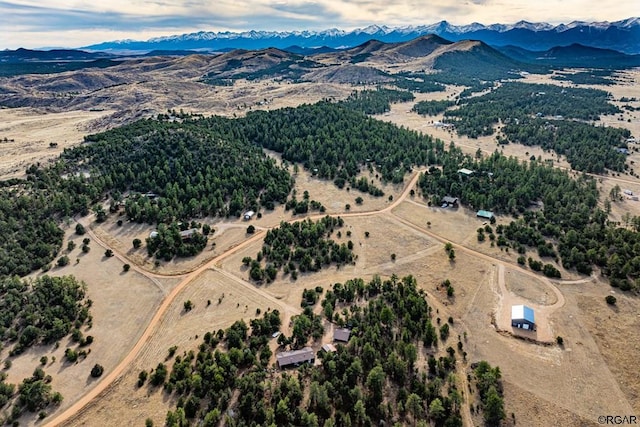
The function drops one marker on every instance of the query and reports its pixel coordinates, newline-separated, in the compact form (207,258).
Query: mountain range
(418,51)
(622,36)
(133,85)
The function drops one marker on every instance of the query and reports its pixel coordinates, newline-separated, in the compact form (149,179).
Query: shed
(341,334)
(295,357)
(484,214)
(450,201)
(248,215)
(522,317)
(329,348)
(465,171)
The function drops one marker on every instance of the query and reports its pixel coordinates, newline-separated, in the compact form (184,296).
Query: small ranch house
(522,317)
(188,234)
(449,201)
(295,357)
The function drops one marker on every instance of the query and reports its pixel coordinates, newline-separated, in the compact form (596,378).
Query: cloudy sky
(74,23)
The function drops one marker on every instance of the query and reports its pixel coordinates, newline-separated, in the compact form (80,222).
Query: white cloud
(35,23)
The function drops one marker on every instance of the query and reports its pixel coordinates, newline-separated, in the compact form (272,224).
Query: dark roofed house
(450,201)
(295,357)
(342,334)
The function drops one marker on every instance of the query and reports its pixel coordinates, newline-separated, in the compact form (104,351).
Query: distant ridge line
(622,36)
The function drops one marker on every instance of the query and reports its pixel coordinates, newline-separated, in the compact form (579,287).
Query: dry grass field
(123,303)
(592,374)
(30,131)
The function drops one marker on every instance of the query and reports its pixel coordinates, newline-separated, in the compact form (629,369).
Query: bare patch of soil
(527,287)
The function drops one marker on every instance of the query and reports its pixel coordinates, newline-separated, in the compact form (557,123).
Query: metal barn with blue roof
(522,317)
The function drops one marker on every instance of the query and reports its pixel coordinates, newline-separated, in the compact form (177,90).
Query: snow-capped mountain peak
(622,35)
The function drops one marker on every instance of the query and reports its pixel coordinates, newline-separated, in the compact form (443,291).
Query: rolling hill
(574,55)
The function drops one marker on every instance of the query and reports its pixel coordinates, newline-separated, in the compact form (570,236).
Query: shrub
(71,355)
(126,267)
(137,243)
(97,370)
(159,375)
(610,299)
(142,377)
(80,230)
(550,271)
